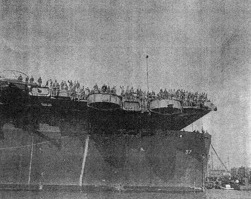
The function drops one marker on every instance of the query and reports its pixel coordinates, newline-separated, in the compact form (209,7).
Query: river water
(208,194)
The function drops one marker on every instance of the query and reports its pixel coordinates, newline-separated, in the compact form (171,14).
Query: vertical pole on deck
(147,72)
(203,172)
(31,157)
(84,161)
(20,167)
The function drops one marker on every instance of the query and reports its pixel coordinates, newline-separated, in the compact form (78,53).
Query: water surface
(209,194)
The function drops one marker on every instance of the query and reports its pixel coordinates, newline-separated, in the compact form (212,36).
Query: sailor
(39,81)
(27,80)
(172,93)
(74,86)
(153,94)
(54,88)
(158,96)
(108,89)
(141,93)
(65,86)
(77,85)
(127,89)
(137,92)
(73,94)
(70,84)
(31,80)
(122,91)
(82,93)
(162,94)
(104,88)
(149,94)
(62,85)
(78,93)
(49,85)
(57,87)
(131,90)
(113,91)
(131,93)
(20,78)
(165,94)
(87,91)
(95,88)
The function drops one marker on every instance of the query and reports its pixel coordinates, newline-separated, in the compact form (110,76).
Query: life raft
(132,105)
(40,91)
(165,106)
(104,101)
(210,106)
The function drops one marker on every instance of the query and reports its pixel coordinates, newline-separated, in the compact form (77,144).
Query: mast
(147,73)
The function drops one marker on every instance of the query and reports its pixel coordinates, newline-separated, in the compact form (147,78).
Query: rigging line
(14,72)
(29,145)
(18,147)
(219,157)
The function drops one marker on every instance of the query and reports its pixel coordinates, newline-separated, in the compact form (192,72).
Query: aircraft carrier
(102,142)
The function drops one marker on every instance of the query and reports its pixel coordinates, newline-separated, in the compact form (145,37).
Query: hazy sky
(197,45)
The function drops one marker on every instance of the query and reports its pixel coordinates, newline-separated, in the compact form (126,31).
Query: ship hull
(117,160)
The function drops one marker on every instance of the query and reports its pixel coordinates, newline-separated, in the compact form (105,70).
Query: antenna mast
(147,73)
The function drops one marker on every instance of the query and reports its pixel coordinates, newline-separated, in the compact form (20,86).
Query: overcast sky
(196,45)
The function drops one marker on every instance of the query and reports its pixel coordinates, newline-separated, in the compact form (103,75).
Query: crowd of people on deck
(74,90)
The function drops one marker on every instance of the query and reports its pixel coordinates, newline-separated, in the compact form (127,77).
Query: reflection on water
(97,195)
(227,194)
(209,194)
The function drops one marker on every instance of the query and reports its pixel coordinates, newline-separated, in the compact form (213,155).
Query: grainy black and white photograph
(125,99)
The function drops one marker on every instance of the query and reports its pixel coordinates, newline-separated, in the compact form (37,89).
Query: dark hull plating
(165,159)
(119,149)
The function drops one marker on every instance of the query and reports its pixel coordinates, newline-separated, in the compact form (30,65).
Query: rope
(14,72)
(24,146)
(29,145)
(219,157)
